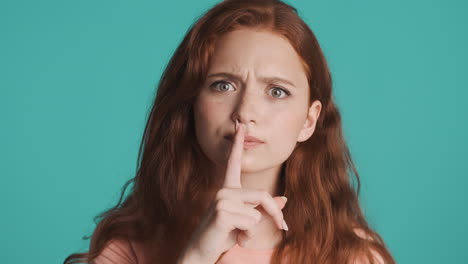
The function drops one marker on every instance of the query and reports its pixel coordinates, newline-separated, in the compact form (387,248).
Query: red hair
(173,185)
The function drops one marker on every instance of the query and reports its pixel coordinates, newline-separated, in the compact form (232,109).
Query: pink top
(239,255)
(122,252)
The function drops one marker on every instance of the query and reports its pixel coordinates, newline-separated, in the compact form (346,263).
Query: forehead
(262,51)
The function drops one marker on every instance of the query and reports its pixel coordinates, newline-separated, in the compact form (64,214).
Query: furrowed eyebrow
(263,79)
(277,80)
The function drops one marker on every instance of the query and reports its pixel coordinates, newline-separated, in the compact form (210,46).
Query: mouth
(249,141)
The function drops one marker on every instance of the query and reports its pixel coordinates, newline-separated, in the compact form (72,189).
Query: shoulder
(362,259)
(118,251)
(362,234)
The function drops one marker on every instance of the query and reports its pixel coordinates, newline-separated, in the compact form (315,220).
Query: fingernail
(285,226)
(284,198)
(237,124)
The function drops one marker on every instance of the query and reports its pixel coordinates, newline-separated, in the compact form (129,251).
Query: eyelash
(286,91)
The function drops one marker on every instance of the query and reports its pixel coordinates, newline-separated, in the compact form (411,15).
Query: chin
(253,165)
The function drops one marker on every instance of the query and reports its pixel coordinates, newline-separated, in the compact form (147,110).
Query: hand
(232,215)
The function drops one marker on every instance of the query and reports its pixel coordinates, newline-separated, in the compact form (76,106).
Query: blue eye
(225,87)
(221,82)
(282,90)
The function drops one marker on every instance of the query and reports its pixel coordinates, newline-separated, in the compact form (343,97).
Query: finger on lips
(233,170)
(271,205)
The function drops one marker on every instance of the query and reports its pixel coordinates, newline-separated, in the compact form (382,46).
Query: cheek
(209,113)
(209,117)
(286,124)
(285,129)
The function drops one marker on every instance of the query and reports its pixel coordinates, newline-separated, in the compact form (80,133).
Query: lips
(247,138)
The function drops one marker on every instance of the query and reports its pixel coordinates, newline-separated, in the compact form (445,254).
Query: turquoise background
(78,77)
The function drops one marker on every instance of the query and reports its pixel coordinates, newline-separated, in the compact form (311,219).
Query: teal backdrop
(78,77)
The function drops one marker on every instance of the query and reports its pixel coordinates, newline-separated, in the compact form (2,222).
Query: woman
(243,116)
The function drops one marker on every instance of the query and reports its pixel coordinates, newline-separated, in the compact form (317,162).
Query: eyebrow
(263,79)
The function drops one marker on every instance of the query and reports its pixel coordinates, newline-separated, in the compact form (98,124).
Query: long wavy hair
(173,186)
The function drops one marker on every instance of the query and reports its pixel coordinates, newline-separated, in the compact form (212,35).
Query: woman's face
(243,83)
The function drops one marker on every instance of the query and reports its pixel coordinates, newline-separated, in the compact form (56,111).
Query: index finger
(233,170)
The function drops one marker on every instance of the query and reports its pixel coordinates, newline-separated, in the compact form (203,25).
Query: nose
(247,107)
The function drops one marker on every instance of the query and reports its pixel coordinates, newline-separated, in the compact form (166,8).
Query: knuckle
(220,205)
(221,218)
(265,194)
(221,194)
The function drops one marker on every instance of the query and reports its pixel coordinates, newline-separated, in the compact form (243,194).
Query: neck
(266,180)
